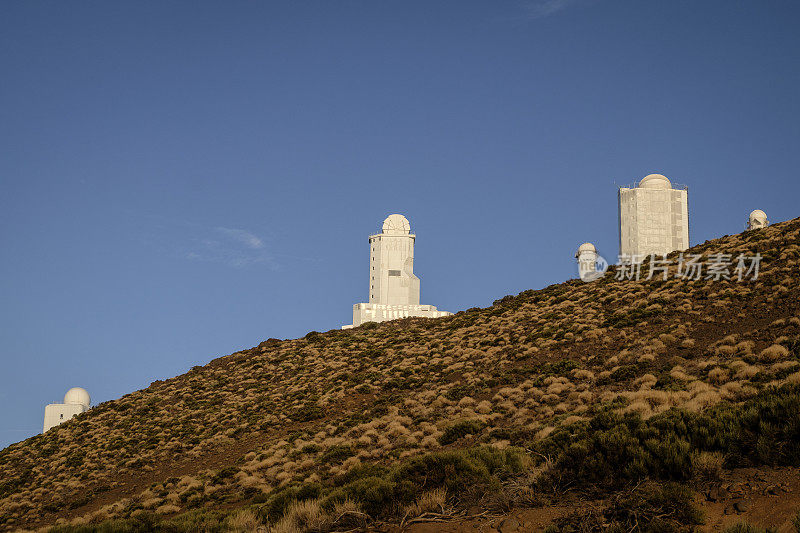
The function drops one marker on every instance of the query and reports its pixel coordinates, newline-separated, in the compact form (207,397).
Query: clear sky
(181,180)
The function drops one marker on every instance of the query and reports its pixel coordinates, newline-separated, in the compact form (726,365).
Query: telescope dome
(655,181)
(77,395)
(396,225)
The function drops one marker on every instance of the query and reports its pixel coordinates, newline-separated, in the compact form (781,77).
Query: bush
(459,430)
(459,391)
(379,491)
(281,499)
(612,448)
(226,473)
(776,352)
(199,520)
(336,454)
(707,465)
(308,412)
(373,494)
(651,507)
(655,508)
(144,523)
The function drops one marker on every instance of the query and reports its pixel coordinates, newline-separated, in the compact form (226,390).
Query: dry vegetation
(329,431)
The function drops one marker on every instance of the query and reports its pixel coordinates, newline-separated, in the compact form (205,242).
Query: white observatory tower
(76,401)
(393,287)
(757,220)
(653,218)
(587,261)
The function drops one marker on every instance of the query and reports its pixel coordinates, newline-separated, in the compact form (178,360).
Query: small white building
(76,401)
(653,218)
(393,288)
(587,260)
(757,220)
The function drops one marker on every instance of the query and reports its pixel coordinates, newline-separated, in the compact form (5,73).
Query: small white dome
(655,181)
(396,225)
(77,395)
(758,214)
(587,247)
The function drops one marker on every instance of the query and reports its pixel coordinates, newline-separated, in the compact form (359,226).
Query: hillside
(603,392)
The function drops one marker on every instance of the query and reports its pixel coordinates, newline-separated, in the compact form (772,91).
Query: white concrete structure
(653,218)
(757,220)
(587,260)
(76,401)
(393,287)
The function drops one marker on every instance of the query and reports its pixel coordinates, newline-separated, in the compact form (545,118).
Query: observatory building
(587,260)
(653,218)
(76,401)
(757,220)
(393,287)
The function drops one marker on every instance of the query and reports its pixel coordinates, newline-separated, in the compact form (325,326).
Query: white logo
(591,274)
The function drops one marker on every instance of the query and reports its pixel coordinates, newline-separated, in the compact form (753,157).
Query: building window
(394,272)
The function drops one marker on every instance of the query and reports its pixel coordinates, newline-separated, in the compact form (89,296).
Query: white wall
(392,279)
(653,221)
(56,413)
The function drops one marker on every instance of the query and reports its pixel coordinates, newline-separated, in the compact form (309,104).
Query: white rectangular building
(653,219)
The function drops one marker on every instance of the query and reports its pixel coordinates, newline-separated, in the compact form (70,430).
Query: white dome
(587,247)
(655,181)
(77,395)
(758,214)
(396,225)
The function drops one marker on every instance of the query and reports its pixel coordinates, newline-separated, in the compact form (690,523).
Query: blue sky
(181,180)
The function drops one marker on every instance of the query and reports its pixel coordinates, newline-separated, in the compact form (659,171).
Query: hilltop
(638,403)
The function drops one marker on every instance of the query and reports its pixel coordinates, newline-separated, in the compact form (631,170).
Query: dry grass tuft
(433,501)
(707,465)
(776,352)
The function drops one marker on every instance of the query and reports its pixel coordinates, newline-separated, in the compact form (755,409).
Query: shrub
(459,430)
(776,352)
(657,508)
(379,491)
(449,468)
(459,391)
(373,494)
(242,521)
(613,448)
(226,473)
(623,373)
(430,501)
(336,454)
(143,523)
(199,520)
(707,465)
(627,318)
(307,515)
(480,468)
(651,507)
(309,411)
(278,502)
